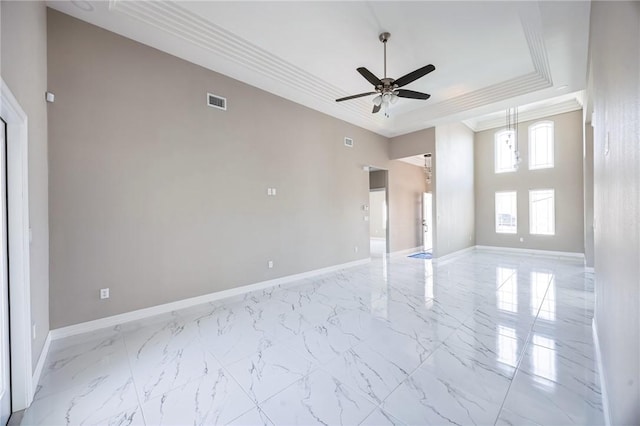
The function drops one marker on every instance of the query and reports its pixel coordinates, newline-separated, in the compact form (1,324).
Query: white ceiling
(488,55)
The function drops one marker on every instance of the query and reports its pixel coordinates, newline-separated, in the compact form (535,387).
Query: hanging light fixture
(512,135)
(427,167)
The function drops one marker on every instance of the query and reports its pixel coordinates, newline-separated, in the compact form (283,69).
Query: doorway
(378,222)
(5,348)
(427,221)
(378,212)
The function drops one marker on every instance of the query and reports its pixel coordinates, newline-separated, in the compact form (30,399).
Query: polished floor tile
(483,339)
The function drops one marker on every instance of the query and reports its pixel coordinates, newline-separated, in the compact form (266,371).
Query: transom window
(541,145)
(505,158)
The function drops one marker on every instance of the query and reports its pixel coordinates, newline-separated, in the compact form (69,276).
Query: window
(505,158)
(541,145)
(542,218)
(506,213)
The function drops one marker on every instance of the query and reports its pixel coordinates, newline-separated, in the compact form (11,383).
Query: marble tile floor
(484,339)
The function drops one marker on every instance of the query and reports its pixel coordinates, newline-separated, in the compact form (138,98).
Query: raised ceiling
(488,55)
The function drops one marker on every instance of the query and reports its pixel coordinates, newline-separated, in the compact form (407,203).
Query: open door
(427,221)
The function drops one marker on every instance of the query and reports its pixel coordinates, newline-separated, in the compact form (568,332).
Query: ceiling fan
(388,89)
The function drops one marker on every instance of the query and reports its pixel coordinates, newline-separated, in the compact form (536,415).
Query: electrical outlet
(104,293)
(355,249)
(270,264)
(521,240)
(274,192)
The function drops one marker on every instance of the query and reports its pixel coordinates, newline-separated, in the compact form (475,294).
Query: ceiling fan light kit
(388,89)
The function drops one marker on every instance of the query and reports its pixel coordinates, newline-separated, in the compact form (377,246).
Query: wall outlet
(270,264)
(104,293)
(355,249)
(274,192)
(366,218)
(521,240)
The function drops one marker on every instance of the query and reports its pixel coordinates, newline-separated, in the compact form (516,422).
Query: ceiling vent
(216,101)
(348,142)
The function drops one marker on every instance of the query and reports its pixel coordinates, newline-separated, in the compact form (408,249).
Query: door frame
(19,256)
(424,220)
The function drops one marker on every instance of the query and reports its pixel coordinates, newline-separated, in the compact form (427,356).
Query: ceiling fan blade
(413,76)
(404,93)
(371,78)
(376,108)
(355,96)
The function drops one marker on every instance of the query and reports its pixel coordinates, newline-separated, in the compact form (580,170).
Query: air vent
(216,101)
(348,142)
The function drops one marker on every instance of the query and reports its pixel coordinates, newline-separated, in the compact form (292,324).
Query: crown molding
(305,88)
(523,116)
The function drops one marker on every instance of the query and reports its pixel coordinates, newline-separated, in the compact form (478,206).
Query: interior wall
(454,199)
(416,143)
(160,197)
(23,66)
(615,74)
(406,186)
(377,200)
(566,177)
(378,179)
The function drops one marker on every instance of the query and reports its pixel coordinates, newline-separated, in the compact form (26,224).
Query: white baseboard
(138,314)
(532,252)
(454,255)
(41,360)
(603,385)
(406,251)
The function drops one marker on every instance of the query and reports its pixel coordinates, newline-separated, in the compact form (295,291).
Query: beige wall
(454,195)
(416,143)
(377,199)
(160,198)
(615,72)
(23,63)
(406,186)
(566,178)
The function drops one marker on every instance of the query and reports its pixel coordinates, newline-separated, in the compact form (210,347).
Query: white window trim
(495,213)
(496,136)
(554,212)
(553,145)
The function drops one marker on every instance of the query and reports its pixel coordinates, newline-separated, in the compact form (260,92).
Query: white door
(5,384)
(427,221)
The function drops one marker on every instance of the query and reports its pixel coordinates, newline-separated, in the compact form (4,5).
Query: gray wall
(378,179)
(160,198)
(566,178)
(454,194)
(23,62)
(615,72)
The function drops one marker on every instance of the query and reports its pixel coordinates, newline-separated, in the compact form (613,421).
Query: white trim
(589,269)
(114,320)
(532,252)
(41,360)
(454,255)
(406,251)
(603,384)
(19,257)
